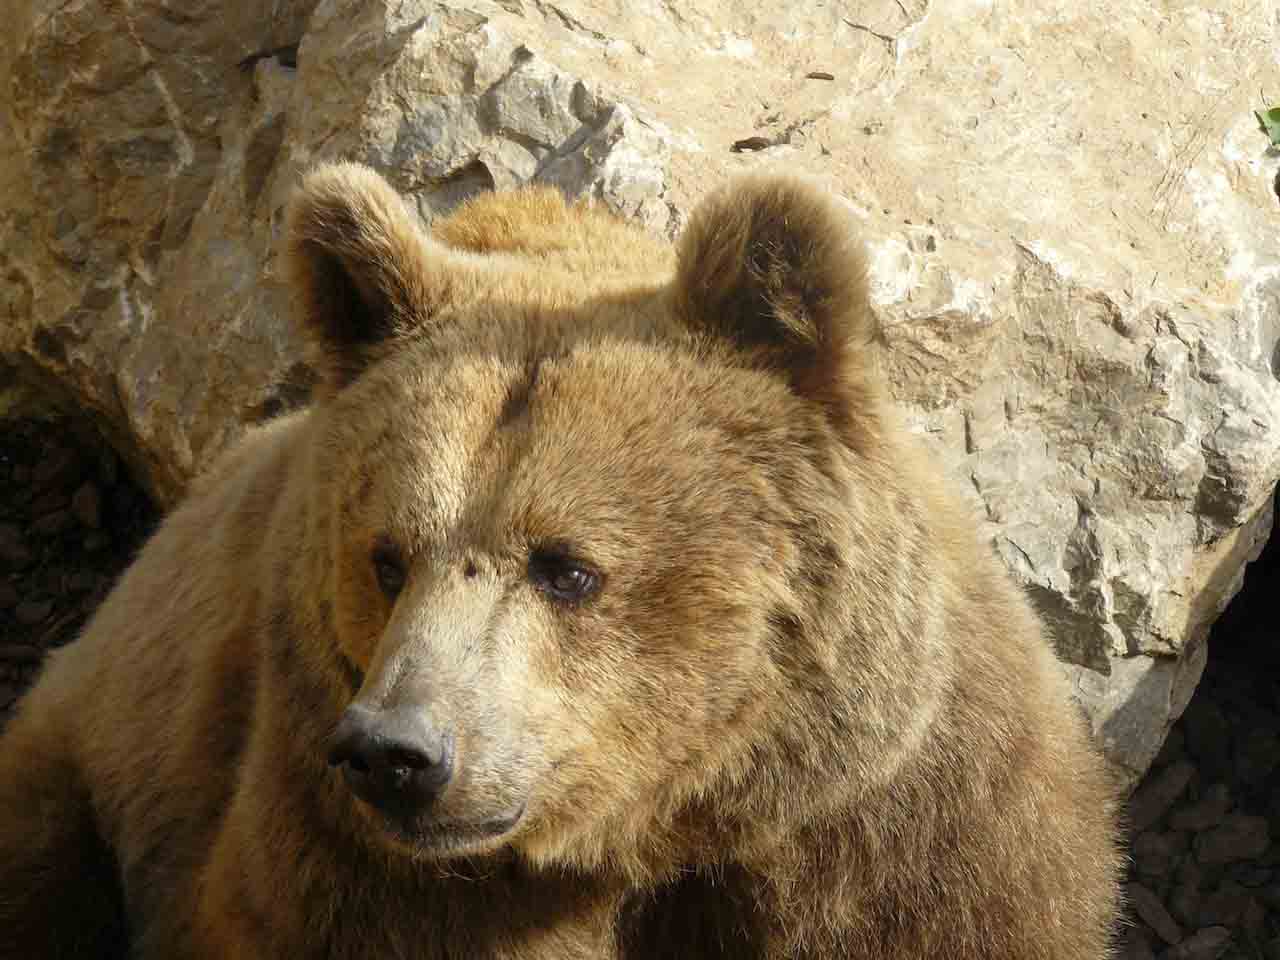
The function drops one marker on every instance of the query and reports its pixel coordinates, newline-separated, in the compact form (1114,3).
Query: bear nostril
(409,759)
(340,751)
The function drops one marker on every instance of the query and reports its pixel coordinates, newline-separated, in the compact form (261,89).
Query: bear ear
(769,264)
(361,270)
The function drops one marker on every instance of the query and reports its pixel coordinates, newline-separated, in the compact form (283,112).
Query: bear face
(583,667)
(549,537)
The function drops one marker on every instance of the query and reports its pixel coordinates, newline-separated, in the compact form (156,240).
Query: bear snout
(393,759)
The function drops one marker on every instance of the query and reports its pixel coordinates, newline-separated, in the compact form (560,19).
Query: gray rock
(1205,812)
(1238,837)
(1158,793)
(1254,923)
(1184,902)
(1148,908)
(620,161)
(1121,705)
(1137,945)
(1251,874)
(1225,906)
(1156,854)
(1207,944)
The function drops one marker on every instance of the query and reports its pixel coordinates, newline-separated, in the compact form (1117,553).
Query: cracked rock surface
(1204,879)
(1069,214)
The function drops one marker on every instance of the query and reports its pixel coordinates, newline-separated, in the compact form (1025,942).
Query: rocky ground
(70,520)
(1205,877)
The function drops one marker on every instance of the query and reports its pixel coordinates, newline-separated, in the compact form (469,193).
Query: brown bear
(598,607)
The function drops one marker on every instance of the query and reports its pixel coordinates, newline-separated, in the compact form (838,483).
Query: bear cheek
(360,613)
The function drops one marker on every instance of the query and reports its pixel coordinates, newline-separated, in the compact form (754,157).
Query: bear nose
(391,759)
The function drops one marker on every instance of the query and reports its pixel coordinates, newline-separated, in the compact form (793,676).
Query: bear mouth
(437,839)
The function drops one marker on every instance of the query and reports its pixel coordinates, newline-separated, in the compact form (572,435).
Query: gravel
(71,520)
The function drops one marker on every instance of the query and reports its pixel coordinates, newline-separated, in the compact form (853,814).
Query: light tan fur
(806,715)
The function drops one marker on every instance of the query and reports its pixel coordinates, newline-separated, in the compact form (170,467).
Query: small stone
(1238,837)
(48,502)
(1158,793)
(1184,903)
(1156,854)
(1189,872)
(1204,813)
(31,612)
(53,524)
(1147,906)
(1137,945)
(1251,875)
(14,554)
(1224,906)
(1207,944)
(1254,922)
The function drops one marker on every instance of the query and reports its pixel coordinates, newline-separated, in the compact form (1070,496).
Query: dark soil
(71,520)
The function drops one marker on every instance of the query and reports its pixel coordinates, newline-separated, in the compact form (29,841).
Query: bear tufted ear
(769,264)
(362,272)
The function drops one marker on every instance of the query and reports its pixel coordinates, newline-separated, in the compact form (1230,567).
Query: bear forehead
(607,436)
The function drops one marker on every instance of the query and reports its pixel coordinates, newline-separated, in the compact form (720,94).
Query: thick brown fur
(806,714)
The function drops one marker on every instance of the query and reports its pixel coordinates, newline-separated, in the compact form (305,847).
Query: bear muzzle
(393,760)
(400,766)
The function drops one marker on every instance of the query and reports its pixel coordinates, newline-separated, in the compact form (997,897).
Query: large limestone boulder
(1069,211)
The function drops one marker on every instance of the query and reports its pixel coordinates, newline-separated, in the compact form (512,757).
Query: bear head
(580,508)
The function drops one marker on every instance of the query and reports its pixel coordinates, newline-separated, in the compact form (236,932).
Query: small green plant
(1269,121)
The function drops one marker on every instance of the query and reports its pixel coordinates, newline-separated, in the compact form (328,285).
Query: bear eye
(388,567)
(557,573)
